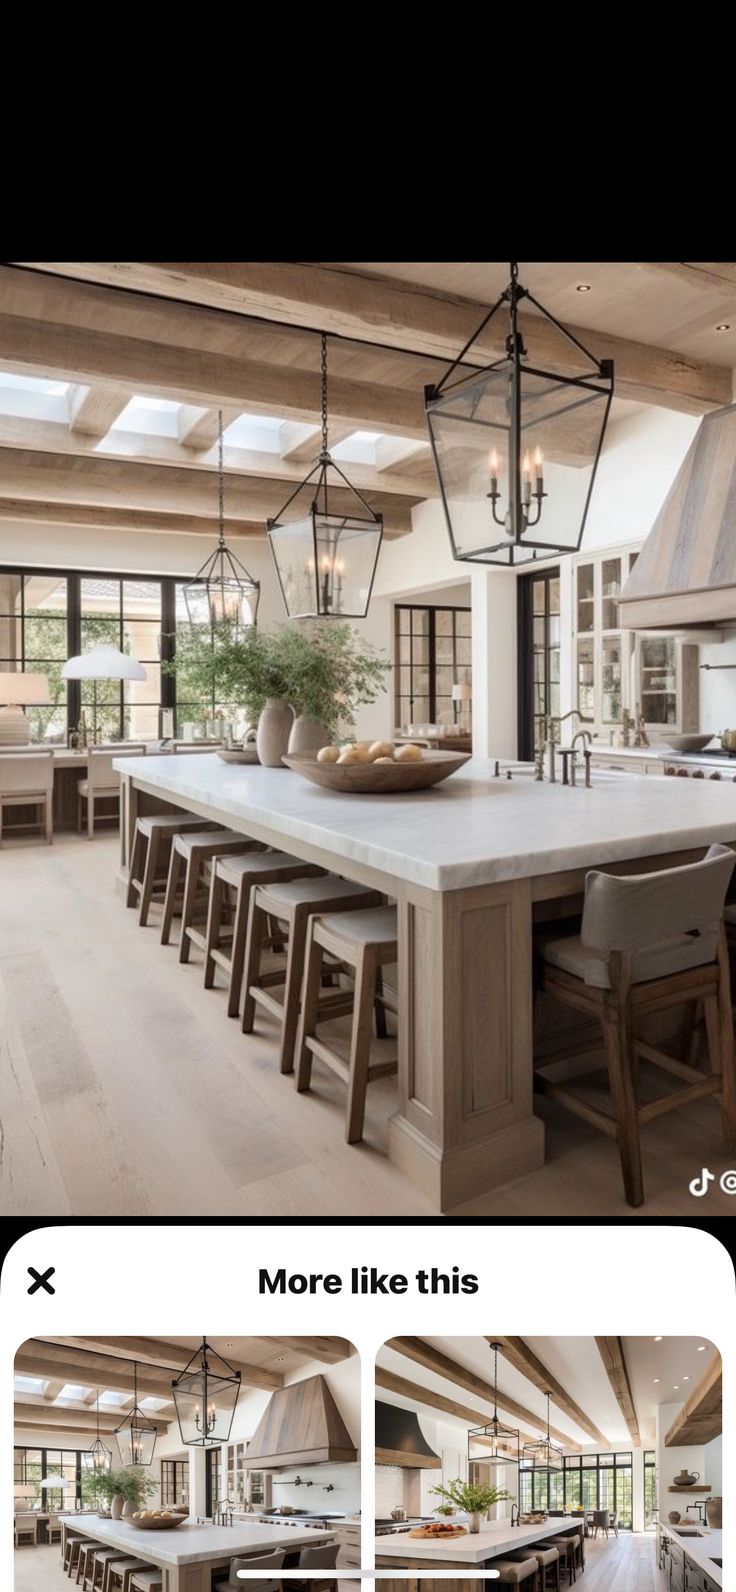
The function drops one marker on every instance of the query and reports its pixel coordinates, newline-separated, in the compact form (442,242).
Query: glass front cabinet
(246,1485)
(651,675)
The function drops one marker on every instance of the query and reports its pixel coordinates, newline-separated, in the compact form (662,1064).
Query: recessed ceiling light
(687,1379)
(657,1340)
(675,1387)
(723,326)
(583,287)
(701,1348)
(657,1379)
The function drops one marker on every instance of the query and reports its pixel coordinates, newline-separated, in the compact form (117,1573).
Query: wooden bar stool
(149,860)
(120,1570)
(294,902)
(570,1552)
(72,1546)
(648,942)
(85,1560)
(516,1572)
(145,1581)
(239,875)
(363,942)
(548,1564)
(189,852)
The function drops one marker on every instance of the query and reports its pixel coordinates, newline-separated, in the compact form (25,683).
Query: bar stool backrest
(324,1558)
(31,772)
(630,914)
(262,1561)
(100,772)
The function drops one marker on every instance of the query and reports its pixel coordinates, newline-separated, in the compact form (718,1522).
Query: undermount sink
(688,1531)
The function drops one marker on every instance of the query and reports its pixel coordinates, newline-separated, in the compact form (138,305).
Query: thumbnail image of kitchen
(169,1464)
(551,1461)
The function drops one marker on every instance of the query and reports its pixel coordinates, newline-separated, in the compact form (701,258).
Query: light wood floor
(39,1570)
(125,1090)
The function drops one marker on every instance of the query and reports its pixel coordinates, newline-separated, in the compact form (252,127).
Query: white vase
(116,1506)
(474,1523)
(274,729)
(307,735)
(129,1508)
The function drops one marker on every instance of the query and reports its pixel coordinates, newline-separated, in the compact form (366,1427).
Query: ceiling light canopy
(493,432)
(136,1435)
(542,1453)
(494,1443)
(222,591)
(98,1458)
(205,1395)
(325,553)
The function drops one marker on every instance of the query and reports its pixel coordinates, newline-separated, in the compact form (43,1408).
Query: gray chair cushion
(674,955)
(513,1572)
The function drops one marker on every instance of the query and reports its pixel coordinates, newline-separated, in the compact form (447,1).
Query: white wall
(670,1461)
(713,1462)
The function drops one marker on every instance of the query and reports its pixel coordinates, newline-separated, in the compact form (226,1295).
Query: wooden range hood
(301,1425)
(686,571)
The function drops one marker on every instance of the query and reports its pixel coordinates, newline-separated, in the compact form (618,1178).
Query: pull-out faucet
(515,1506)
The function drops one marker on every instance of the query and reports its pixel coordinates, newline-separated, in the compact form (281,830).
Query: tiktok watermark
(700,1185)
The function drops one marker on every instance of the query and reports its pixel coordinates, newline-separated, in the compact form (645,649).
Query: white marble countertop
(494,1538)
(666,754)
(472,829)
(700,1549)
(193,1544)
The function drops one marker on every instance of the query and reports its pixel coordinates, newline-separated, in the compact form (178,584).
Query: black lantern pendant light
(98,1458)
(516,445)
(542,1453)
(205,1395)
(496,1444)
(325,556)
(135,1434)
(222,591)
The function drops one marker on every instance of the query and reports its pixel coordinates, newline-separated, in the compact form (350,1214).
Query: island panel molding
(701,1416)
(432,1359)
(522,1357)
(611,1351)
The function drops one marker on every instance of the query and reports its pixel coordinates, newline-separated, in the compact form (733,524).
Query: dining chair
(26,1529)
(102,782)
(27,780)
(53,1528)
(601,1521)
(647,943)
(613,1522)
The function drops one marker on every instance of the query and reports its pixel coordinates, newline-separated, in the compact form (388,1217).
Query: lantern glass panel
(326,564)
(205,1406)
(210,602)
(471,427)
(136,1442)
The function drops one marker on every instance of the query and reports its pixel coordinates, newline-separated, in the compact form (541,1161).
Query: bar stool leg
(618,1060)
(360,1044)
(381,1025)
(237,952)
(314,956)
(293,988)
(149,876)
(90,816)
(253,953)
(214,924)
(172,884)
(191,880)
(135,863)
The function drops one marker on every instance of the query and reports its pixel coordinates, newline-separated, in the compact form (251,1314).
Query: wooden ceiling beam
(159,1352)
(328,1350)
(402,315)
(40,512)
(701,1416)
(611,1351)
(99,1374)
(518,1354)
(709,276)
(93,410)
(75,1416)
(434,1360)
(436,1401)
(199,428)
(123,483)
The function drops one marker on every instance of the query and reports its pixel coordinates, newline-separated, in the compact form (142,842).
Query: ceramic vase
(674,1516)
(714,1512)
(307,735)
(129,1508)
(116,1506)
(474,1523)
(274,729)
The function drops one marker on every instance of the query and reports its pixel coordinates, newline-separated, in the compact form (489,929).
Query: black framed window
(34,639)
(30,1465)
(650,1489)
(212,1479)
(174,1482)
(433,652)
(586,1481)
(538,597)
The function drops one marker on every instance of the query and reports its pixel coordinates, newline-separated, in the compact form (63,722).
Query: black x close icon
(41,1280)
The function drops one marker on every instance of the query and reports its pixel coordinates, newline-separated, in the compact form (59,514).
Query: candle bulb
(526,470)
(539,465)
(494,470)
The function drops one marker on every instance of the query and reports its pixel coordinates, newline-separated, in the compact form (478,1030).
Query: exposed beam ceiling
(434,1360)
(97,1373)
(77,1418)
(612,1354)
(41,512)
(701,1416)
(401,315)
(437,1401)
(329,1350)
(718,276)
(159,1353)
(198,429)
(523,1359)
(92,410)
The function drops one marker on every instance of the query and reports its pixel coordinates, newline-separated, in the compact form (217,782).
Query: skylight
(153,1404)
(151,416)
(30,1384)
(113,1400)
(259,432)
(72,1390)
(38,384)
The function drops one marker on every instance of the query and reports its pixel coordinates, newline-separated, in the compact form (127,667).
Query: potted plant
(444,1510)
(474,1498)
(329,673)
(127,1489)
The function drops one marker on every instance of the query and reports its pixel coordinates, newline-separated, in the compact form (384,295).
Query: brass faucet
(573,713)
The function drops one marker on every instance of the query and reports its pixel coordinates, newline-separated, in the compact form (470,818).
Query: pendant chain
(324,393)
(221,480)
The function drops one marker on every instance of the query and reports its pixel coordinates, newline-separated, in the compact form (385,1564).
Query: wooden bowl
(379,779)
(238,754)
(157,1525)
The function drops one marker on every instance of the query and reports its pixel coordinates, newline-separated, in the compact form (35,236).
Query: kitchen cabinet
(246,1484)
(348,1536)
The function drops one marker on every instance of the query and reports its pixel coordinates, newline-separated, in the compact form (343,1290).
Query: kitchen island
(188,1554)
(470,864)
(473,1551)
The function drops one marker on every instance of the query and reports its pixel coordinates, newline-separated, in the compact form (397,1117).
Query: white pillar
(198,1482)
(494,663)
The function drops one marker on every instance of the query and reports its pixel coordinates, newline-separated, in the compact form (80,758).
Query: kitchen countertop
(700,1549)
(192,1543)
(473,829)
(495,1537)
(667,754)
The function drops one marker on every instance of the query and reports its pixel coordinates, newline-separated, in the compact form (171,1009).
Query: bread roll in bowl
(409,753)
(328,754)
(383,750)
(351,755)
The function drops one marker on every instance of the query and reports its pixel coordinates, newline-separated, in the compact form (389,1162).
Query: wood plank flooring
(125,1090)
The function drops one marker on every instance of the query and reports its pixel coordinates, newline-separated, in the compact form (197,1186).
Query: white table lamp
(462,693)
(19,691)
(103,662)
